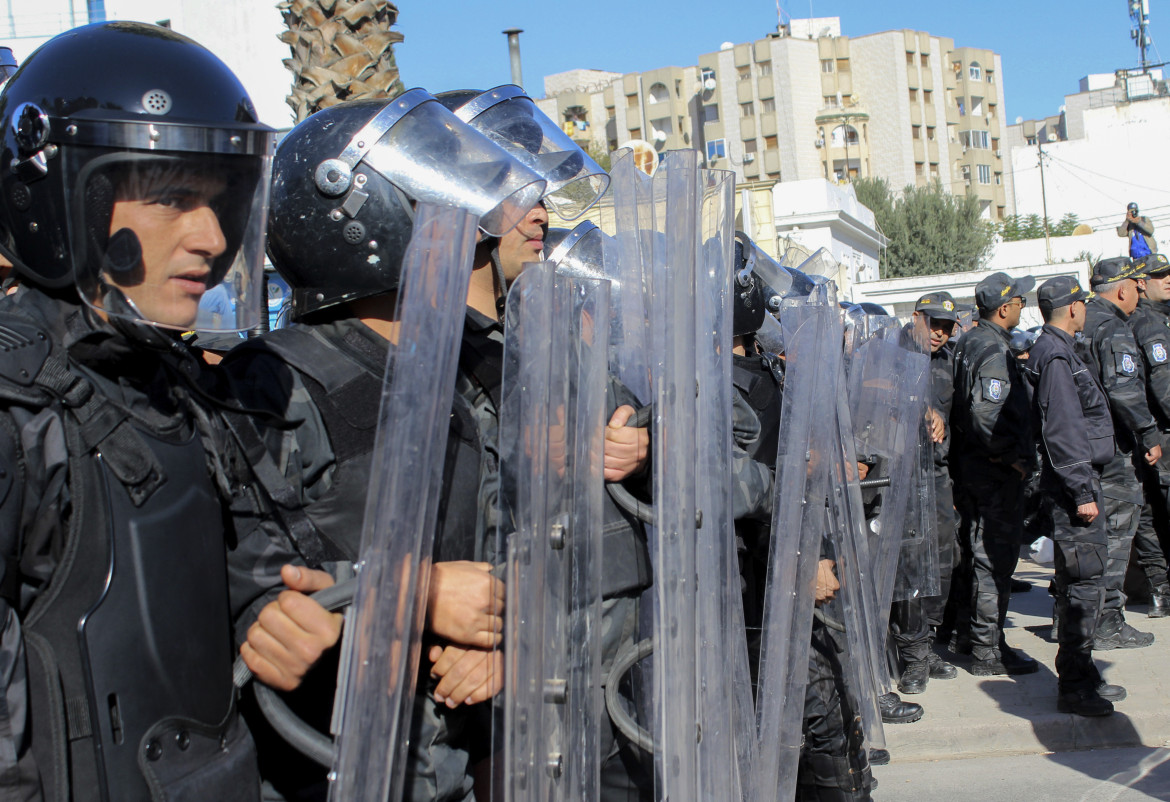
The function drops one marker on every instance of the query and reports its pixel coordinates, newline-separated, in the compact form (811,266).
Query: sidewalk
(982,716)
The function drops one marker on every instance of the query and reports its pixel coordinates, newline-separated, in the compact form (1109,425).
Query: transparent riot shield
(727,744)
(635,234)
(384,627)
(799,524)
(551,459)
(866,666)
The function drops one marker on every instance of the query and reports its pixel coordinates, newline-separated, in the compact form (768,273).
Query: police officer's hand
(465,603)
(1088,512)
(466,676)
(626,448)
(862,471)
(1153,455)
(291,633)
(827,584)
(938,427)
(1020,469)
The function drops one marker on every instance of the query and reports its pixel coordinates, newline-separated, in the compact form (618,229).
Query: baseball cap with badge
(1061,291)
(999,288)
(1155,264)
(937,306)
(1115,269)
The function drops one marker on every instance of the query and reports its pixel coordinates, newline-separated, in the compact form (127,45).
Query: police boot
(895,711)
(1114,633)
(1083,702)
(939,668)
(1159,600)
(915,677)
(879,757)
(1111,693)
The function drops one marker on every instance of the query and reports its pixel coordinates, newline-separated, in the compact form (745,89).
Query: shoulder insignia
(1158,352)
(995,389)
(1128,366)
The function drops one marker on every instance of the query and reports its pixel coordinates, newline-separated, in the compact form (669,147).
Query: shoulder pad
(300,348)
(24,347)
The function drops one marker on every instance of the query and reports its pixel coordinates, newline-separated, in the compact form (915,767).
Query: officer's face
(940,332)
(180,237)
(1158,287)
(1012,310)
(523,243)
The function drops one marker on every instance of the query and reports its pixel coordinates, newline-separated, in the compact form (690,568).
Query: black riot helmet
(344,181)
(747,292)
(511,118)
(118,138)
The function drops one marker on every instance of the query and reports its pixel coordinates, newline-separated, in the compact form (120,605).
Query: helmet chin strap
(500,282)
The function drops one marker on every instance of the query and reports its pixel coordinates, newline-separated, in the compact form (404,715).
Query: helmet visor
(170,239)
(507,115)
(435,158)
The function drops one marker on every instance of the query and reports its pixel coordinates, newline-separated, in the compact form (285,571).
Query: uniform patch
(1158,352)
(995,389)
(1128,366)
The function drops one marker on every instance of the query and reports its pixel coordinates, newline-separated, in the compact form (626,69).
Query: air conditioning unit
(999,154)
(748,158)
(820,143)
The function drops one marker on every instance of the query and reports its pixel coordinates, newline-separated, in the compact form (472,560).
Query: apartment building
(806,102)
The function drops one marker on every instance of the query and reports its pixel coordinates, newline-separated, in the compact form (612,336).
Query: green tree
(1066,225)
(930,231)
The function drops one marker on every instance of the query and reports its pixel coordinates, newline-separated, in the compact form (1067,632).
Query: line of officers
(1065,431)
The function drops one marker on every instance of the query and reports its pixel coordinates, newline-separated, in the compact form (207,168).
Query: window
(916,131)
(998,179)
(830,101)
(977,106)
(677,88)
(707,74)
(994,144)
(842,65)
(957,66)
(990,109)
(710,113)
(631,101)
(1031,140)
(826,65)
(934,169)
(765,68)
(918,167)
(716,149)
(974,139)
(635,133)
(909,59)
(990,77)
(771,143)
(927,96)
(925,61)
(930,133)
(975,72)
(749,146)
(768,105)
(744,73)
(659,93)
(747,109)
(913,95)
(844,135)
(984,174)
(962,107)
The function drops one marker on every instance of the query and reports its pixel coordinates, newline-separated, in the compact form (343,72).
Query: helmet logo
(30,126)
(156,101)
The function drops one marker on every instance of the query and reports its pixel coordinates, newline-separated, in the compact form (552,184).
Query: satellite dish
(645,156)
(727,46)
(1082,228)
(659,137)
(709,84)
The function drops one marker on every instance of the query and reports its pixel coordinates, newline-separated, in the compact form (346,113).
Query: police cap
(1115,269)
(1060,291)
(1155,264)
(938,306)
(999,288)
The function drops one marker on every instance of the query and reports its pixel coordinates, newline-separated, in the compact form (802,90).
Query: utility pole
(1044,200)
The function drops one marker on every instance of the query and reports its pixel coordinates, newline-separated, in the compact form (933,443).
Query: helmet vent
(354,232)
(156,101)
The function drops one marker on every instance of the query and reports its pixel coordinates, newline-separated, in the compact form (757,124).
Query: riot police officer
(994,443)
(1112,353)
(134,174)
(1151,328)
(1076,432)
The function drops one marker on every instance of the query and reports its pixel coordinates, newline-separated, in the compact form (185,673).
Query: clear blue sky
(1046,46)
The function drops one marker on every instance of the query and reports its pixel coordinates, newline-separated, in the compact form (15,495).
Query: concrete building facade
(806,103)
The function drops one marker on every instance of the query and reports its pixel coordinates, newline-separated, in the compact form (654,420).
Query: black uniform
(993,433)
(1076,433)
(1111,352)
(942,379)
(112,550)
(1151,328)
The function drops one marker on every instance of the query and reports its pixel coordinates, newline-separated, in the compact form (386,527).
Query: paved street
(1006,732)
